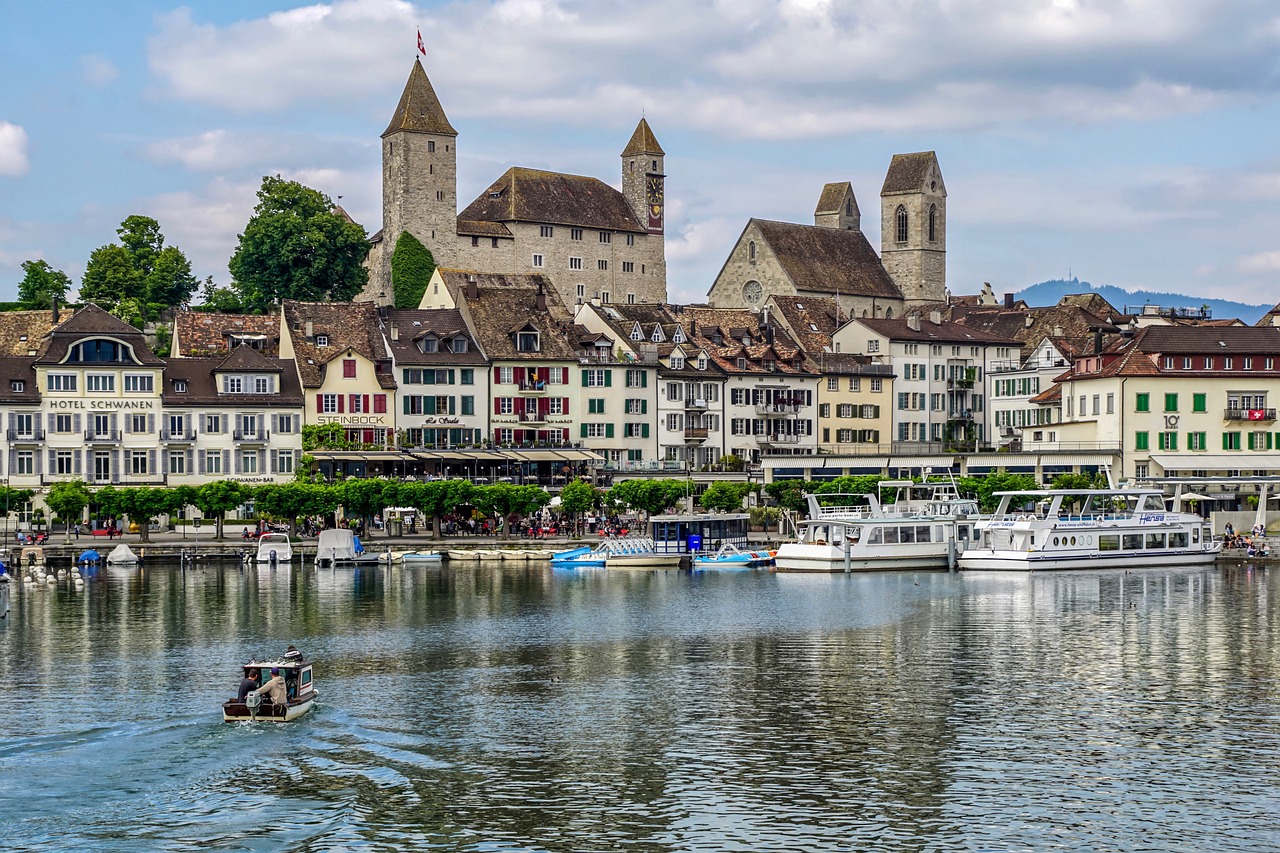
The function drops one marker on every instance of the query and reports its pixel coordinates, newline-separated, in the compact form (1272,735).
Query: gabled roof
(1062,321)
(19,369)
(202,385)
(811,320)
(642,141)
(210,333)
(897,329)
(907,172)
(832,198)
(1209,340)
(419,110)
(414,324)
(531,195)
(91,321)
(347,325)
(771,343)
(246,359)
(827,260)
(22,332)
(506,303)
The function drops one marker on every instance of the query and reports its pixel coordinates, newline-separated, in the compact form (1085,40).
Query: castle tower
(419,174)
(644,188)
(838,208)
(913,227)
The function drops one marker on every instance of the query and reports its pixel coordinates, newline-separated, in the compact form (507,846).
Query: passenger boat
(298,684)
(925,526)
(274,548)
(340,547)
(1056,529)
(730,556)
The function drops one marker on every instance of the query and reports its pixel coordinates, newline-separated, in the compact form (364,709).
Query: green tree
(724,496)
(41,284)
(140,267)
(68,499)
(143,504)
(411,267)
(579,497)
(508,502)
(439,497)
(649,496)
(296,246)
(790,494)
(170,282)
(984,488)
(218,498)
(109,276)
(219,299)
(326,437)
(289,501)
(362,498)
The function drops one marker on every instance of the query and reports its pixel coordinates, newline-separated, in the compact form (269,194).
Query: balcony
(780,439)
(692,403)
(533,417)
(25,435)
(777,408)
(177,435)
(1249,415)
(695,435)
(533,386)
(102,436)
(252,436)
(959,384)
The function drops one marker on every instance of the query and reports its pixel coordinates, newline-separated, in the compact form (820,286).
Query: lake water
(504,709)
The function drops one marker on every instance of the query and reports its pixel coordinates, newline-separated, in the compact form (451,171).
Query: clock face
(653,200)
(752,292)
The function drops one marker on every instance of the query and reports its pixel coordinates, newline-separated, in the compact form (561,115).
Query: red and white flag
(422,48)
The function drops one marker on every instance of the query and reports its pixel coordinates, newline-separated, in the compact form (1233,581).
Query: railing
(959,383)
(696,433)
(780,438)
(106,435)
(777,408)
(177,435)
(251,435)
(943,448)
(25,435)
(537,386)
(532,418)
(1249,415)
(692,403)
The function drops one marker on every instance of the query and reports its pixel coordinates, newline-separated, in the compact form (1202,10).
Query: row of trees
(790,494)
(296,245)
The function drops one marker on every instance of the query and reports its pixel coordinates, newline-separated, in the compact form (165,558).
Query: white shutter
(75,423)
(191,461)
(275,461)
(262,461)
(151,462)
(202,463)
(151,424)
(226,462)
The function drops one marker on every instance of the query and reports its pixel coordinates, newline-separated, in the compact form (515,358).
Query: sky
(1129,143)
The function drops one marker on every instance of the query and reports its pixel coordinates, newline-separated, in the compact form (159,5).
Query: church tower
(913,227)
(838,208)
(644,188)
(419,175)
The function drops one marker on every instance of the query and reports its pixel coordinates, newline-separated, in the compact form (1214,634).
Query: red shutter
(365,407)
(520,405)
(518,375)
(320,403)
(564,376)
(339,396)
(517,436)
(497,405)
(497,371)
(379,404)
(564,405)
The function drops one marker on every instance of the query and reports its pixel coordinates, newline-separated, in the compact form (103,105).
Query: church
(590,240)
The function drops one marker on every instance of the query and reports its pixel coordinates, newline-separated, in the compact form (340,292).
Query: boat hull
(422,557)
(986,560)
(797,557)
(237,712)
(643,561)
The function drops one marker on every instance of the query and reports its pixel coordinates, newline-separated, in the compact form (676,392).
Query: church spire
(419,110)
(642,141)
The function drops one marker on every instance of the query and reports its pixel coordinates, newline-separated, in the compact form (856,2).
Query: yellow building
(854,402)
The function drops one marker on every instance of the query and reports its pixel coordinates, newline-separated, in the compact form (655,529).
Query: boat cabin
(695,533)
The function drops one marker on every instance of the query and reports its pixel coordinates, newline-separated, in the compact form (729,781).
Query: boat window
(1109,542)
(1178,540)
(1073,540)
(922,534)
(1195,535)
(1056,542)
(1155,540)
(1133,541)
(891,536)
(306,676)
(907,534)
(876,538)
(963,531)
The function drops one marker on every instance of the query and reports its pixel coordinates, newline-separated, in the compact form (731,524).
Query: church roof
(827,260)
(642,141)
(531,195)
(419,110)
(832,198)
(907,172)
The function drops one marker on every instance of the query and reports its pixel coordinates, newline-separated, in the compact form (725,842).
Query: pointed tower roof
(833,196)
(419,110)
(643,141)
(907,172)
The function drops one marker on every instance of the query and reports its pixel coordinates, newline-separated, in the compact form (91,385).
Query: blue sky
(1130,143)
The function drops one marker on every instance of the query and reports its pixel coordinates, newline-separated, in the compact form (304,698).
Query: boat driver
(273,688)
(248,684)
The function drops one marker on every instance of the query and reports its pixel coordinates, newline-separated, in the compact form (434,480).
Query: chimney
(382,311)
(395,332)
(541,301)
(913,322)
(1097,340)
(1057,331)
(1027,321)
(55,310)
(935,317)
(310,329)
(1008,301)
(768,334)
(473,289)
(693,328)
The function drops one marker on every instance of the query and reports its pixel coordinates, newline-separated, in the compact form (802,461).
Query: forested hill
(1049,292)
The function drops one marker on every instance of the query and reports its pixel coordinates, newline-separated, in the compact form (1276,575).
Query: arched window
(848,207)
(96,351)
(751,250)
(902,224)
(888,313)
(933,222)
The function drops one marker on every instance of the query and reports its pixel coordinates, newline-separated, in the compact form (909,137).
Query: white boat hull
(291,713)
(642,561)
(801,557)
(987,560)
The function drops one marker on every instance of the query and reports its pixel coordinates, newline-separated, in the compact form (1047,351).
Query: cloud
(98,71)
(794,69)
(13,150)
(1262,262)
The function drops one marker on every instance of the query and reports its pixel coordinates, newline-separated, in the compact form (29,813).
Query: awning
(922,461)
(1217,461)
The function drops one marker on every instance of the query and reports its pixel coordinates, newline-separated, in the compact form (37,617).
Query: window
(575,263)
(458,345)
(628,266)
(138,424)
(1140,441)
(631,239)
(232,385)
(602,264)
(322,340)
(329,404)
(138,462)
(1198,403)
(138,383)
(1111,404)
(180,386)
(582,291)
(213,463)
(877,385)
(249,462)
(17,386)
(901,217)
(349,367)
(1231,441)
(100,382)
(606,237)
(1167,440)
(537,260)
(25,463)
(177,463)
(1171,402)
(431,147)
(467,376)
(506,405)
(96,351)
(264,385)
(62,423)
(284,463)
(595,378)
(468,405)
(833,383)
(933,223)
(604,297)
(594,430)
(1142,402)
(873,346)
(506,375)
(1196,441)
(575,233)
(527,342)
(546,231)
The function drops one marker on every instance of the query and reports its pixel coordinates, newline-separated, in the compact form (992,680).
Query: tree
(140,267)
(650,496)
(411,267)
(142,504)
(508,502)
(290,500)
(68,499)
(578,497)
(439,497)
(724,496)
(997,481)
(296,246)
(363,498)
(790,494)
(217,499)
(109,276)
(220,299)
(41,284)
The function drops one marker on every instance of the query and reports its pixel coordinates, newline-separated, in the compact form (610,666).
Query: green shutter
(452,374)
(1142,403)
(1225,437)
(644,407)
(608,379)
(644,379)
(644,430)
(1140,441)
(584,430)
(406,405)
(1171,402)
(608,428)
(453,402)
(1198,403)
(584,379)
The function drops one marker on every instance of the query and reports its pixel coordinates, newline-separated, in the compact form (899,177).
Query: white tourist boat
(924,527)
(274,547)
(1056,529)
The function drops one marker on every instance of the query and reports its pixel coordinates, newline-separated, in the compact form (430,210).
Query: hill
(1049,292)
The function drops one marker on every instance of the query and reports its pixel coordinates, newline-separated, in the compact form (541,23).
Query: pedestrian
(1230,530)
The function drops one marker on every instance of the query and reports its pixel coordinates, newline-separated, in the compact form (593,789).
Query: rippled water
(501,709)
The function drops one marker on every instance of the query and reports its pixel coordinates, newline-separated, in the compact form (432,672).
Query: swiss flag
(1257,414)
(422,48)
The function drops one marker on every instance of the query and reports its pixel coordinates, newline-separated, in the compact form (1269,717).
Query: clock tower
(643,178)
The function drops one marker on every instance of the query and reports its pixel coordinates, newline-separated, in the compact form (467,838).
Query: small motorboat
(89,557)
(340,547)
(32,556)
(299,688)
(458,555)
(644,560)
(730,556)
(122,555)
(274,548)
(421,557)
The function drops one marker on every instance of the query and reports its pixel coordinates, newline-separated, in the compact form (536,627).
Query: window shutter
(75,423)
(237,461)
(452,405)
(365,401)
(53,462)
(151,462)
(519,405)
(339,396)
(75,455)
(584,430)
(406,405)
(262,461)
(297,428)
(1224,441)
(608,430)
(51,422)
(239,427)
(275,461)
(1251,447)
(115,462)
(564,405)
(452,376)
(115,422)
(319,405)
(519,375)
(497,405)
(379,404)
(644,430)
(608,379)
(202,462)
(226,462)
(644,407)
(584,379)
(497,373)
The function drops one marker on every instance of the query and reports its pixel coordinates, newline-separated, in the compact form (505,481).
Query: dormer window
(180,386)
(636,333)
(677,337)
(96,351)
(458,345)
(322,340)
(17,386)
(528,342)
(430,344)
(677,361)
(742,364)
(348,368)
(656,337)
(702,362)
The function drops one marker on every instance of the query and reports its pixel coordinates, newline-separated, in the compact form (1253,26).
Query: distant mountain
(1049,292)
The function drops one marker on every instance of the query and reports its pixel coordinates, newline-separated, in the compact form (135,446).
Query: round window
(1073,540)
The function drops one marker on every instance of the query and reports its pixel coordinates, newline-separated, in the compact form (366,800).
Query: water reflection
(515,708)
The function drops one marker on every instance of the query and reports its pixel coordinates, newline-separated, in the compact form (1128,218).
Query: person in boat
(248,684)
(292,655)
(273,688)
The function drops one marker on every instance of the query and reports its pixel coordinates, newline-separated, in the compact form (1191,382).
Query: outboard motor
(251,701)
(273,559)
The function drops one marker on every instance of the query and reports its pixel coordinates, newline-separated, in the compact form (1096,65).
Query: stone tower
(419,175)
(913,227)
(644,188)
(838,208)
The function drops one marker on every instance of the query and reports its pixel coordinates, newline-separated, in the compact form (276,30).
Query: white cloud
(13,150)
(98,71)
(1261,262)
